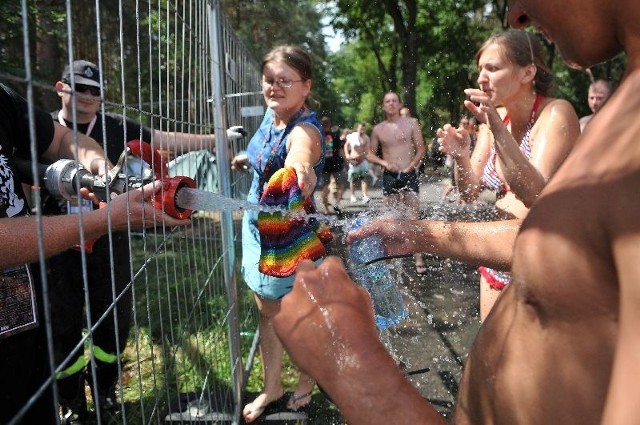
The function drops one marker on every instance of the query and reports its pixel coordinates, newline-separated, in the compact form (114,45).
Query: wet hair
(292,56)
(522,49)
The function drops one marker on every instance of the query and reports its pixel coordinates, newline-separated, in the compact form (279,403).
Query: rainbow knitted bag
(287,239)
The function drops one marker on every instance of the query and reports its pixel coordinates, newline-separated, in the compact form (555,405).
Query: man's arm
(486,243)
(182,142)
(185,142)
(418,145)
(374,143)
(621,406)
(20,237)
(90,153)
(326,324)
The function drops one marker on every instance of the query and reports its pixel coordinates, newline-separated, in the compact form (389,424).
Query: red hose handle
(165,199)
(151,156)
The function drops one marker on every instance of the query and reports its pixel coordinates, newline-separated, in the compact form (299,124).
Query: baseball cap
(84,72)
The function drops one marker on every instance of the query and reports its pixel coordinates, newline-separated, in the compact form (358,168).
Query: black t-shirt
(18,289)
(118,130)
(333,160)
(15,141)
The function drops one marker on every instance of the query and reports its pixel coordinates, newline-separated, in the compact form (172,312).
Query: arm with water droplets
(486,243)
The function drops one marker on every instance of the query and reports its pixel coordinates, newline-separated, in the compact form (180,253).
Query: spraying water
(195,199)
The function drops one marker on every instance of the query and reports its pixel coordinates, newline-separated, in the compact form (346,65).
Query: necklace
(266,138)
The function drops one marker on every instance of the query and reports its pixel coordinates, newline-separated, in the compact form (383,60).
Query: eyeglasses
(285,84)
(83,88)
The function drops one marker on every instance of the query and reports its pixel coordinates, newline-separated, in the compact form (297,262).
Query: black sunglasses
(83,88)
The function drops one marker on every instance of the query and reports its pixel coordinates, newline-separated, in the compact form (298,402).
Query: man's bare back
(560,318)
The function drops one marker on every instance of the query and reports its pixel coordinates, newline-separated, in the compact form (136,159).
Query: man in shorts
(403,149)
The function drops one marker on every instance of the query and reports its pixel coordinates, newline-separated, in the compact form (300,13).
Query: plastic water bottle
(388,304)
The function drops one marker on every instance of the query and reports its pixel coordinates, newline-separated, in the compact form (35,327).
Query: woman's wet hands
(481,106)
(453,141)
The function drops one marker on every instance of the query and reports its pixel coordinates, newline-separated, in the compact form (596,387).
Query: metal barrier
(175,66)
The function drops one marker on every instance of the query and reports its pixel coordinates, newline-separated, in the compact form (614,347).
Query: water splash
(343,359)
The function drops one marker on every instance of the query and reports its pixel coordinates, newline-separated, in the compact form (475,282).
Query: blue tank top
(267,149)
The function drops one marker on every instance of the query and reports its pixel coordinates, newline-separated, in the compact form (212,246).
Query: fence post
(220,124)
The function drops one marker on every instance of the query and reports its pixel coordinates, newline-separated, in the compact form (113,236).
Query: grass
(179,339)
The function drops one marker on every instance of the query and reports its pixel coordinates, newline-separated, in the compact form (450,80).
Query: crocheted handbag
(287,239)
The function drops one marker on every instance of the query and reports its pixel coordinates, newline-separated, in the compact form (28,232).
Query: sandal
(294,404)
(253,413)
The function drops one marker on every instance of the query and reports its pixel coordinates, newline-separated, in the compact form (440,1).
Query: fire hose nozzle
(165,199)
(63,177)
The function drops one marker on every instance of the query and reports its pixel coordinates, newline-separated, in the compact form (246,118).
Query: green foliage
(263,25)
(449,33)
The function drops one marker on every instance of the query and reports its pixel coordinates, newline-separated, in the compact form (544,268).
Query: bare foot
(253,410)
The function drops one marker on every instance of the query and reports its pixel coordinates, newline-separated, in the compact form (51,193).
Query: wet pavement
(442,303)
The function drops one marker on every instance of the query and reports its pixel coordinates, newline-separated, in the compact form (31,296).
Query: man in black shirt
(23,350)
(67,295)
(333,165)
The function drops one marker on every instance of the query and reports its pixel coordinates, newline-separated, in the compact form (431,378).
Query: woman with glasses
(290,136)
(524,138)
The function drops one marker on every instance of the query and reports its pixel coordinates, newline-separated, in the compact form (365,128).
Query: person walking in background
(334,165)
(561,345)
(67,293)
(525,137)
(290,136)
(24,355)
(372,169)
(356,148)
(599,93)
(403,149)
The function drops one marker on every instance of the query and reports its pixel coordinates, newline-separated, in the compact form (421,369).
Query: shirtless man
(599,93)
(356,148)
(561,345)
(403,148)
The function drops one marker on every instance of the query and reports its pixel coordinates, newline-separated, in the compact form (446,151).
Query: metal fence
(174,66)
